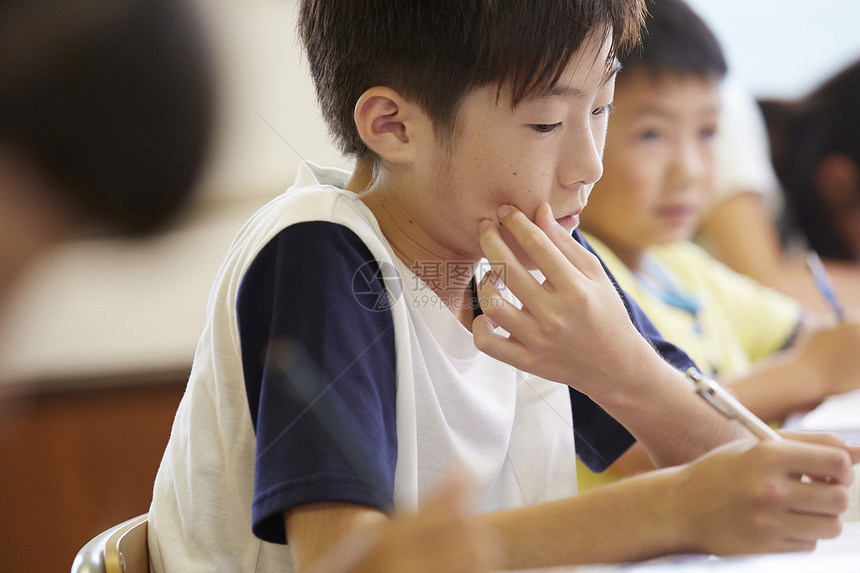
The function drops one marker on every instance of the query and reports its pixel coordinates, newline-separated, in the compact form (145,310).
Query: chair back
(120,549)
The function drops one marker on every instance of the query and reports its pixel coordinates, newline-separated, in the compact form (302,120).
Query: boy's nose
(582,164)
(690,164)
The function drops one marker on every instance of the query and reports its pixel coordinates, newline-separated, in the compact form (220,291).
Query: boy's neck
(361,177)
(446,272)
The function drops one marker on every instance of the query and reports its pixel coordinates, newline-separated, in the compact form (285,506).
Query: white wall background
(781,48)
(100,308)
(112,307)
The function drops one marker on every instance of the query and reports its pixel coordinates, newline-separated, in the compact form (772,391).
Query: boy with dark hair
(658,181)
(376,355)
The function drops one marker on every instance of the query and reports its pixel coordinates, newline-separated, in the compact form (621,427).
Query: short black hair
(434,52)
(676,41)
(112,99)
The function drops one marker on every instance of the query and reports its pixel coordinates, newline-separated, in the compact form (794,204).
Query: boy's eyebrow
(566,91)
(654,110)
(660,111)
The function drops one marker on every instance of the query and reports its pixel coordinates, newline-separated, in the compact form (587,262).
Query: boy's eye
(649,135)
(708,133)
(545,127)
(604,109)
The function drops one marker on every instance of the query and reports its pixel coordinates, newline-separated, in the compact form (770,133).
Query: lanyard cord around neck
(658,281)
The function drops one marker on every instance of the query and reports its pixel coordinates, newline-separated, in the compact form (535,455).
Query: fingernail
(504,210)
(484,225)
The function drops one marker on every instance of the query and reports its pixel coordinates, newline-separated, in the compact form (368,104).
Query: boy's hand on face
(572,328)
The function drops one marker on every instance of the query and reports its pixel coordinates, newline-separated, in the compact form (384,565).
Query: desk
(76,458)
(841,555)
(839,414)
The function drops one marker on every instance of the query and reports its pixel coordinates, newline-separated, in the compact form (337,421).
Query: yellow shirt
(736,322)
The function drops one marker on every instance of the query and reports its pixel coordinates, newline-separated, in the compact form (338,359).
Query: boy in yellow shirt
(659,170)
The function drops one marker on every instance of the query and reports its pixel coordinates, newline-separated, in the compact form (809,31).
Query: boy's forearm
(314,529)
(658,406)
(777,388)
(607,524)
(745,497)
(821,361)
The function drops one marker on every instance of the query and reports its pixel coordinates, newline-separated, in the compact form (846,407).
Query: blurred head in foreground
(105,115)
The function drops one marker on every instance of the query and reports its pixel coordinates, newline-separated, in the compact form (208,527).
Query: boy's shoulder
(702,272)
(317,194)
(318,197)
(619,270)
(691,263)
(313,195)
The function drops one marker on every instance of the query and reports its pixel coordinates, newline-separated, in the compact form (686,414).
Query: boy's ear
(389,124)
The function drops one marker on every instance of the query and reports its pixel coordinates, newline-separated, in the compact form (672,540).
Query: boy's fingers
(451,493)
(456,541)
(505,349)
(500,311)
(574,252)
(504,262)
(807,529)
(818,498)
(537,245)
(826,439)
(830,464)
(483,331)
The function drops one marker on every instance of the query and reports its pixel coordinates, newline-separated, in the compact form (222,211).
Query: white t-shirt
(743,149)
(455,407)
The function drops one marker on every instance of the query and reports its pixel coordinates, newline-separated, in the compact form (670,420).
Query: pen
(816,267)
(722,400)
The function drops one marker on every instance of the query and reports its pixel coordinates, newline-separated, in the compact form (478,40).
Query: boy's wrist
(626,384)
(672,518)
(684,527)
(808,380)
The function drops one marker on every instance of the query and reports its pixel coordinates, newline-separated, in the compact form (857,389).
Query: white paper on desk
(840,555)
(853,513)
(837,412)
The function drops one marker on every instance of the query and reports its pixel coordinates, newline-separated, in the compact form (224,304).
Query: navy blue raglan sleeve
(600,438)
(318,359)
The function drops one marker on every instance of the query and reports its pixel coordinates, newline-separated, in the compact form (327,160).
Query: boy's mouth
(676,213)
(571,221)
